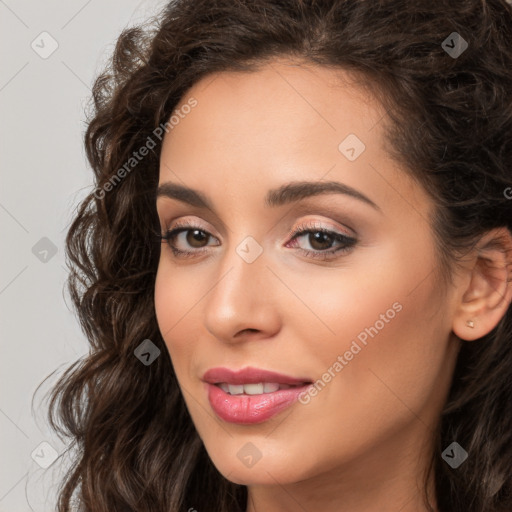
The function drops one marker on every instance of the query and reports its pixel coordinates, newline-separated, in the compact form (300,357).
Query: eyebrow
(280,196)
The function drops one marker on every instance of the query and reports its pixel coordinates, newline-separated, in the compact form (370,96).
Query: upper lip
(249,375)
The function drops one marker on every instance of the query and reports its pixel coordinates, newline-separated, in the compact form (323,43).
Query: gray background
(44,175)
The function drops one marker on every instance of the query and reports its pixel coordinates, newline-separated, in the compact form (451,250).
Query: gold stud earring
(470,323)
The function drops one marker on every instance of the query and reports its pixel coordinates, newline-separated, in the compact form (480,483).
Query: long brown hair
(134,445)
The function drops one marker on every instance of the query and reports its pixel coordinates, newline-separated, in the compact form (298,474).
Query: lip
(249,375)
(250,409)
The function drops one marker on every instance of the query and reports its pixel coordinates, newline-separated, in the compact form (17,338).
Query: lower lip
(249,409)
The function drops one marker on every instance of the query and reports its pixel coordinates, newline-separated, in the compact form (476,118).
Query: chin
(262,476)
(263,472)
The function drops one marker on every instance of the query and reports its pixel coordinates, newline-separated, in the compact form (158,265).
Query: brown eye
(196,237)
(323,243)
(187,240)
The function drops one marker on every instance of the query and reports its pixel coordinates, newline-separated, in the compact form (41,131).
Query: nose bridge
(239,298)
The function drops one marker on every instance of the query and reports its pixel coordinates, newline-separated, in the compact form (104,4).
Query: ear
(487,293)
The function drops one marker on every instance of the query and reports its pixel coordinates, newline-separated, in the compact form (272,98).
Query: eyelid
(188,213)
(307,223)
(311,224)
(189,224)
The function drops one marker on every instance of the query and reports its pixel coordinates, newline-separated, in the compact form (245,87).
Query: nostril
(247,330)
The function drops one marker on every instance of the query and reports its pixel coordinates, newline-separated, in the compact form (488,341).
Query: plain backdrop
(50,53)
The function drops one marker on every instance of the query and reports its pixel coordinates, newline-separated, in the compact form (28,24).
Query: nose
(241,304)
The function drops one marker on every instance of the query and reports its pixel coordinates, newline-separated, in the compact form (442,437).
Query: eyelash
(347,241)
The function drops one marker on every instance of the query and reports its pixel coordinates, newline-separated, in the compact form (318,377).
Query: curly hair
(450,123)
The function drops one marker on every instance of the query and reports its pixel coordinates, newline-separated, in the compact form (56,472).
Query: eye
(321,240)
(187,236)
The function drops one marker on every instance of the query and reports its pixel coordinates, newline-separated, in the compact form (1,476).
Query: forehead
(283,122)
(286,101)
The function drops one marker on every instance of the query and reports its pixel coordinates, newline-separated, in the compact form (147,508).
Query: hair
(449,121)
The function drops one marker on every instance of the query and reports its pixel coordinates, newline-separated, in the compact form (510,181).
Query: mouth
(251,395)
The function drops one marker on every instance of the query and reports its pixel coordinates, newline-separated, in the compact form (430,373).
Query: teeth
(235,389)
(270,387)
(252,389)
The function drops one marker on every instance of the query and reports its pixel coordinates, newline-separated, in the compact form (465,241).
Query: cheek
(175,300)
(381,297)
(388,322)
(389,354)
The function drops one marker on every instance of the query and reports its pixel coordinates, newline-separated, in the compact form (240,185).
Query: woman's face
(355,310)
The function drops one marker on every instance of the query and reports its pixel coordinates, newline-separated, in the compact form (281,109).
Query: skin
(363,442)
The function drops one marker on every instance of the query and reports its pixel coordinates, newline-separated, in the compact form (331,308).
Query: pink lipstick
(251,395)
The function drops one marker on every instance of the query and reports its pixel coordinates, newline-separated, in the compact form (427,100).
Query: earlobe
(487,297)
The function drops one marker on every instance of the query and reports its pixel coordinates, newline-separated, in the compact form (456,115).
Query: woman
(294,270)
